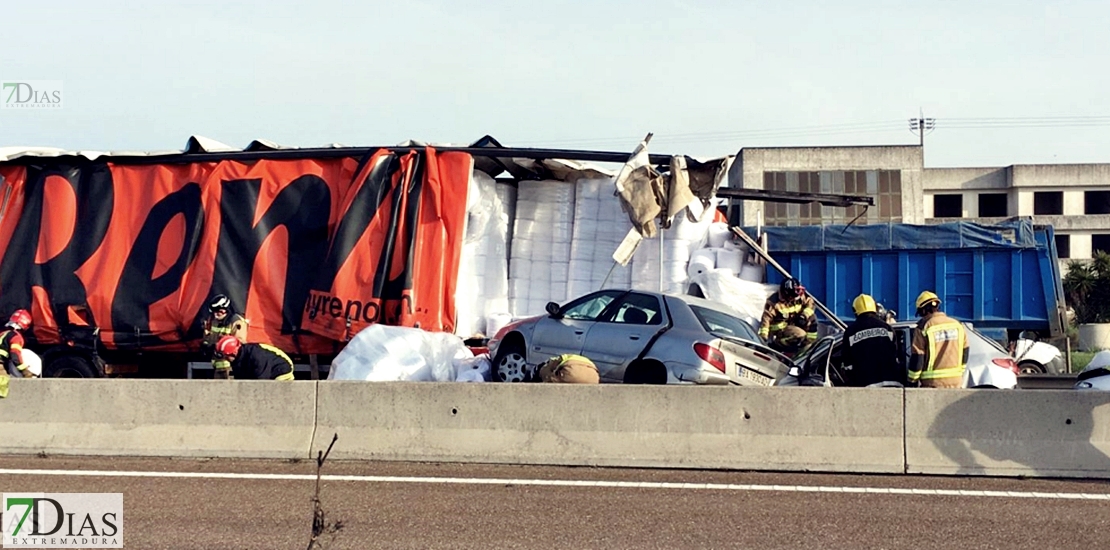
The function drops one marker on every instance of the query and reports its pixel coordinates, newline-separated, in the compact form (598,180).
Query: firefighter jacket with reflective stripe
(11,352)
(232,324)
(870,355)
(262,362)
(778,313)
(939,348)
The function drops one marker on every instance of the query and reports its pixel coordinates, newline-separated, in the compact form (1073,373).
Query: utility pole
(920,124)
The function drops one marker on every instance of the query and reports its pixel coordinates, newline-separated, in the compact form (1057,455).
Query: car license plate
(754,376)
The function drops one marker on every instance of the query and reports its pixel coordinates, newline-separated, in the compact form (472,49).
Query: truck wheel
(70,366)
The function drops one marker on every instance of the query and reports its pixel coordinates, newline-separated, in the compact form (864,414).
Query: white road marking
(566,483)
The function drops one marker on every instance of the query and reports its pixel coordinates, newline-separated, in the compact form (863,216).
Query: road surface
(176,503)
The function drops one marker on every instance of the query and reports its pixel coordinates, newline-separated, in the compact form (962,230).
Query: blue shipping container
(997,277)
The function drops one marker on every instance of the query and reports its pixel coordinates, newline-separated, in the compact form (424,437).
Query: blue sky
(708,77)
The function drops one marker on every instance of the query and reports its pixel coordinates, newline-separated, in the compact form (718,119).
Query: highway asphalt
(178,503)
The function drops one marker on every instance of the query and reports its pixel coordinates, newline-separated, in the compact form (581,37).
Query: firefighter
(11,344)
(569,369)
(870,355)
(222,321)
(254,361)
(789,321)
(938,356)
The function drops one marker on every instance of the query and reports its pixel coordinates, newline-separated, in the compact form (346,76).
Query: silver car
(988,363)
(640,337)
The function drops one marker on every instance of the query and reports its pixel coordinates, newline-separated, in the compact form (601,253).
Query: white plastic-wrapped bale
(599,227)
(540,251)
(483,286)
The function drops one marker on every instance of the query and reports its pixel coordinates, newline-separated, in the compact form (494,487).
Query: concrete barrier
(182,418)
(964,432)
(1057,433)
(799,429)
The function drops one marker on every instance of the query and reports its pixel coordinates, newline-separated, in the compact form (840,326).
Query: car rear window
(983,340)
(722,323)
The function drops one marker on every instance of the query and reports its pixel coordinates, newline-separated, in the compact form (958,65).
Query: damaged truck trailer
(117,257)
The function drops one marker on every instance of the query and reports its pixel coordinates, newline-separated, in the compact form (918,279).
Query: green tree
(1087,289)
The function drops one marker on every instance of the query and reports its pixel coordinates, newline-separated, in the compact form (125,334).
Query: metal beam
(796,198)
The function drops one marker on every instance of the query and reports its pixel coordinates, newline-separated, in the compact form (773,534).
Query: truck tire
(70,366)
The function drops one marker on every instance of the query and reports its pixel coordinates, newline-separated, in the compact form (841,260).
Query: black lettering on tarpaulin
(92,185)
(356,219)
(368,317)
(356,306)
(303,207)
(335,308)
(384,288)
(137,290)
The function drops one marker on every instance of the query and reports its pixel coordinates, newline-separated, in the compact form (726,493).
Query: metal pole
(771,261)
(661,231)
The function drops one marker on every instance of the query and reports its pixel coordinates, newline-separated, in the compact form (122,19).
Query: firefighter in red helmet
(11,344)
(254,361)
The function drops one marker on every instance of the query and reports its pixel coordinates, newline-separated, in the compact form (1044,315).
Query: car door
(622,333)
(566,332)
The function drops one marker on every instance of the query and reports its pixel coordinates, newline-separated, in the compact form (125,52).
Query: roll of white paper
(701,261)
(732,260)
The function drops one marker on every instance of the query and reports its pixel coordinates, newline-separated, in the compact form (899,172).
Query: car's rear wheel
(1031,367)
(510,364)
(646,372)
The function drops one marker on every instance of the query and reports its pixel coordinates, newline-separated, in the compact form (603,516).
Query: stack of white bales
(679,243)
(482,292)
(599,227)
(540,253)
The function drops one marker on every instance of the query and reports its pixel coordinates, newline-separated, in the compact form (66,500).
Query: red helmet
(20,320)
(228,346)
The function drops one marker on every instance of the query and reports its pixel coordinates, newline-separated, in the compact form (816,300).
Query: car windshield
(724,324)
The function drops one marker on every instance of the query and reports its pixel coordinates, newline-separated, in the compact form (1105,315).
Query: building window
(1063,246)
(1100,243)
(1048,203)
(884,186)
(1096,202)
(948,206)
(992,205)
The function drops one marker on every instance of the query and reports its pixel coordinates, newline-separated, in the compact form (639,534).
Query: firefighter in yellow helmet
(938,355)
(789,320)
(869,353)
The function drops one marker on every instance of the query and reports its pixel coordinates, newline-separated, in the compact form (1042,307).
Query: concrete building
(1073,198)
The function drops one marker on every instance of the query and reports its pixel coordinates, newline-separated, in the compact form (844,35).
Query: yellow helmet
(864,304)
(925,298)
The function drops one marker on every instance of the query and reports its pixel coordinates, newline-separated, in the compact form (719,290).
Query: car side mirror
(553,310)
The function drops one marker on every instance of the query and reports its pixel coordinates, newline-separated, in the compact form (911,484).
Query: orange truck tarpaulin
(308,250)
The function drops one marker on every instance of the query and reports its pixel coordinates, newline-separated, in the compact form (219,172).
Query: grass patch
(1080,359)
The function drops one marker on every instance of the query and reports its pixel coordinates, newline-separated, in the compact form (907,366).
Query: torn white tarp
(640,188)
